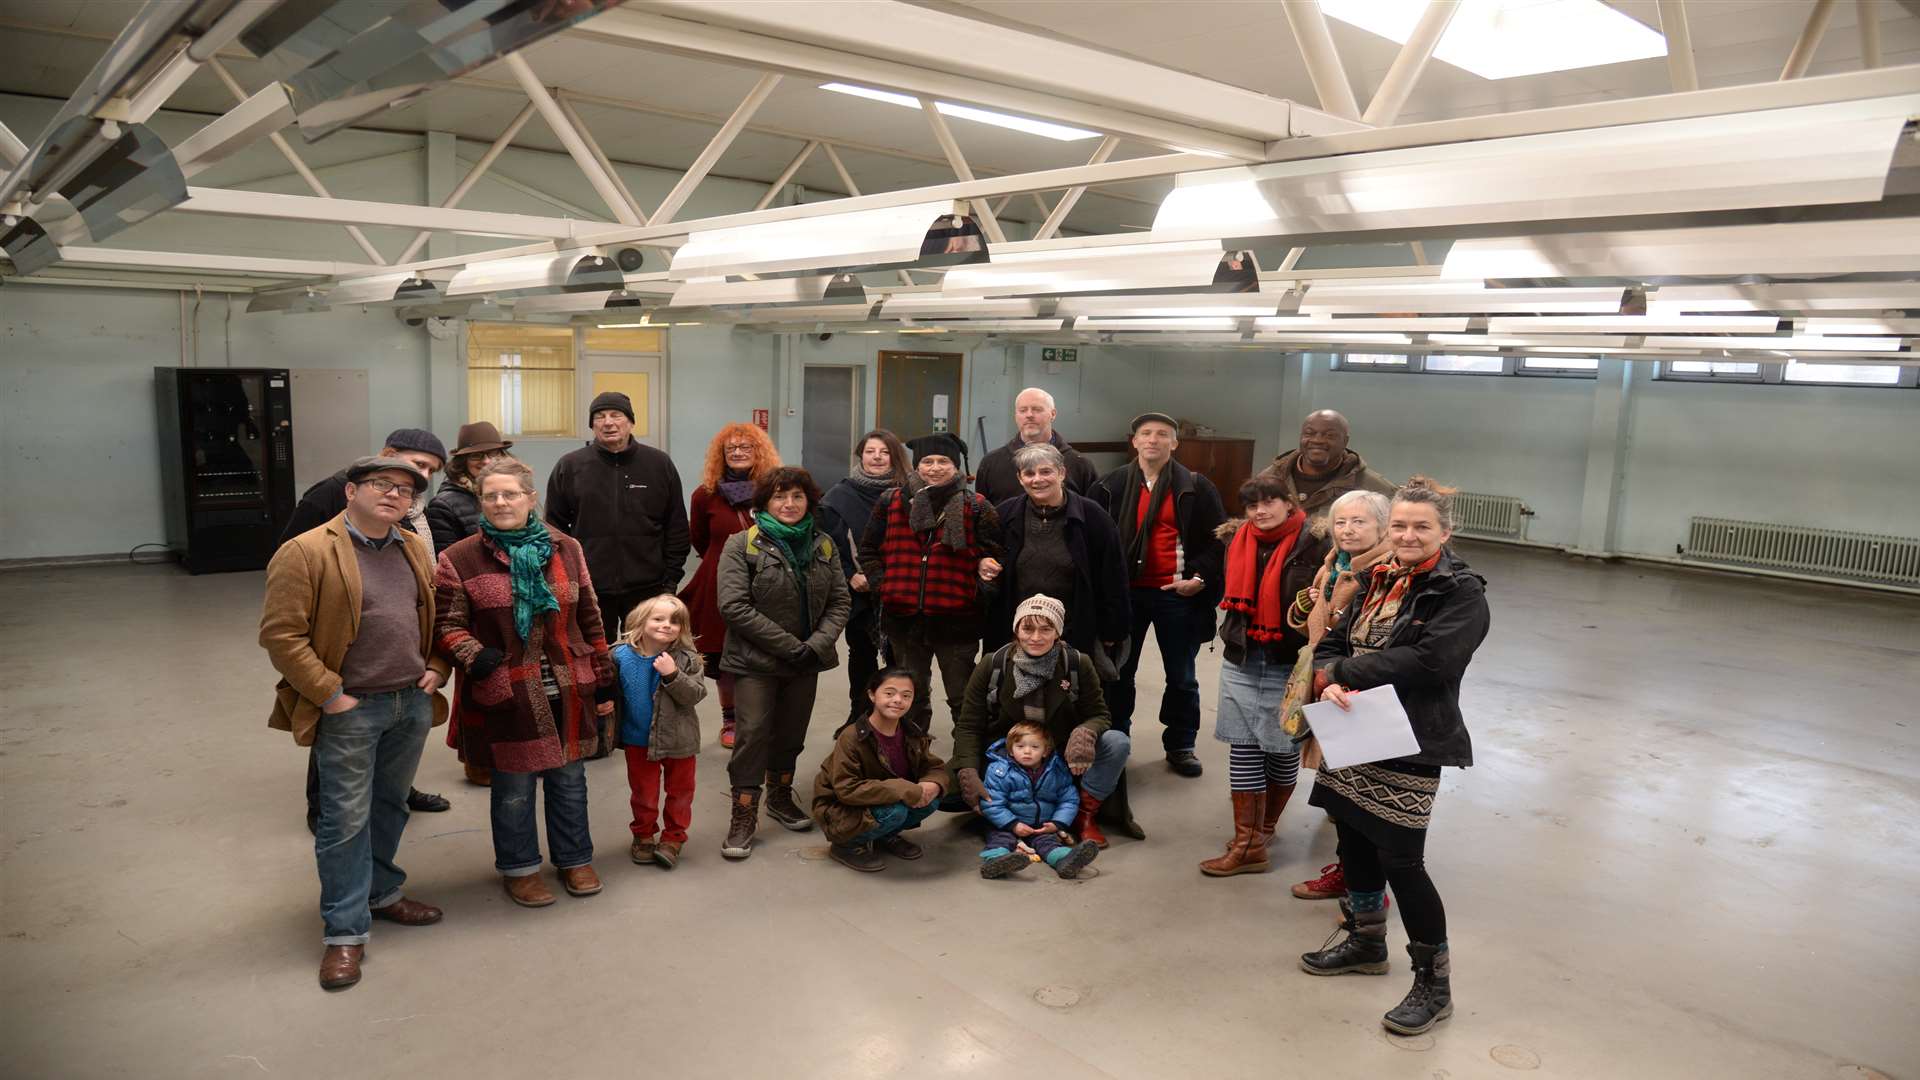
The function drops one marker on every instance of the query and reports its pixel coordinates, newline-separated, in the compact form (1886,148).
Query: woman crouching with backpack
(785,601)
(1040,678)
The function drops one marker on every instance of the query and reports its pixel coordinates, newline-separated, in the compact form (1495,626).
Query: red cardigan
(508,723)
(710,521)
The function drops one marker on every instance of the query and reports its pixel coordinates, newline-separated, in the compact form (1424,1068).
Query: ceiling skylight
(967,112)
(1504,39)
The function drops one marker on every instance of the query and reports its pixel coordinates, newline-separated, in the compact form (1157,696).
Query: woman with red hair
(722,505)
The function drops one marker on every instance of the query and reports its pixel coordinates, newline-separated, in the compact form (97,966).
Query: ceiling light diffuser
(1042,128)
(1503,39)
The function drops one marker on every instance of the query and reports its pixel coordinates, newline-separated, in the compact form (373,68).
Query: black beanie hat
(418,440)
(611,399)
(940,443)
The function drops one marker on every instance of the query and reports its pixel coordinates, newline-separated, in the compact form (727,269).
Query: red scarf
(1254,590)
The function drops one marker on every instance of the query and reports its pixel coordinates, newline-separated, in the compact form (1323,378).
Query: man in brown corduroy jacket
(348,623)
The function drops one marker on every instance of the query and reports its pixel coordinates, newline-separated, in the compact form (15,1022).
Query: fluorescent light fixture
(1801,156)
(922,235)
(1792,343)
(1452,297)
(994,326)
(1863,296)
(1118,268)
(1498,341)
(948,307)
(1171,323)
(815,289)
(1366,340)
(1042,128)
(532,275)
(1503,39)
(576,302)
(401,287)
(1873,245)
(1633,324)
(1362,326)
(1855,326)
(1171,305)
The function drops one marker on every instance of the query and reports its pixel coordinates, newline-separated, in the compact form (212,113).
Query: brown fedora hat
(478,438)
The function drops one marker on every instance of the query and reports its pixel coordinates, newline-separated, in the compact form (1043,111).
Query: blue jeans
(893,819)
(1178,624)
(366,758)
(516,836)
(1109,762)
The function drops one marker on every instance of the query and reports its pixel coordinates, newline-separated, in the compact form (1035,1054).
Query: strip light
(1171,306)
(1634,324)
(1120,268)
(1875,245)
(1453,297)
(1171,323)
(1864,296)
(1042,128)
(920,234)
(1796,342)
(1362,326)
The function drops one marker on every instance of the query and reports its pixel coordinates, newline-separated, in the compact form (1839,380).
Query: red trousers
(644,778)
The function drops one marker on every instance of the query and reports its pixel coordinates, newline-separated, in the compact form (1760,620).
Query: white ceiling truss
(1693,223)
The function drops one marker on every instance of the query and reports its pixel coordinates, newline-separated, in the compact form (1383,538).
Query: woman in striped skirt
(1415,627)
(1271,559)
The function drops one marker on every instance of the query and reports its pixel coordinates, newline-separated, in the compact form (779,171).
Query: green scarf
(528,549)
(795,540)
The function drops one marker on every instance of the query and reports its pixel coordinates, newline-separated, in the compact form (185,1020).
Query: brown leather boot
(745,822)
(1084,826)
(340,966)
(528,890)
(1248,853)
(580,880)
(479,775)
(1277,796)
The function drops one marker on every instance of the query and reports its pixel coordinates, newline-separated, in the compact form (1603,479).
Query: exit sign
(1053,355)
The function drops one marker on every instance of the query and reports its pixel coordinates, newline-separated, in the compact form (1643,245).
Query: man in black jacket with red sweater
(1176,566)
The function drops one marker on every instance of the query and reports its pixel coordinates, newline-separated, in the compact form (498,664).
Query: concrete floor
(1688,850)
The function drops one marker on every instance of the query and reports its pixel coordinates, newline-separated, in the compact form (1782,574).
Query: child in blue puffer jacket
(1030,799)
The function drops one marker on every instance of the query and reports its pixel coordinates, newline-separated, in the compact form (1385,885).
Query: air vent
(1888,560)
(1489,515)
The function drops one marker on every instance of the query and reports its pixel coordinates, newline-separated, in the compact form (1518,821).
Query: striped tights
(1250,768)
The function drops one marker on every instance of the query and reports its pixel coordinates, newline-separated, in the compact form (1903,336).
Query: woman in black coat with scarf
(880,465)
(1415,628)
(1065,546)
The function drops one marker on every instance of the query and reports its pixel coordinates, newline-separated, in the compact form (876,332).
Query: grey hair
(1031,457)
(1044,396)
(1376,503)
(1425,489)
(506,466)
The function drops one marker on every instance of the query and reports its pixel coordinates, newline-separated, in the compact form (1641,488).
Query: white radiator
(1489,515)
(1892,560)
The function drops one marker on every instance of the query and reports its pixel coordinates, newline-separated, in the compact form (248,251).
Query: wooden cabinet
(1227,462)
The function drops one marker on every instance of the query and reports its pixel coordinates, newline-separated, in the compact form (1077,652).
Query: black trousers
(864,657)
(1369,869)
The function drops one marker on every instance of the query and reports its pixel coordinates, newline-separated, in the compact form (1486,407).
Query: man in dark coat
(1322,469)
(1176,566)
(622,500)
(1065,546)
(323,501)
(1033,414)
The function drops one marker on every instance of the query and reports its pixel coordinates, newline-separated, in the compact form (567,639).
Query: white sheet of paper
(940,406)
(1375,729)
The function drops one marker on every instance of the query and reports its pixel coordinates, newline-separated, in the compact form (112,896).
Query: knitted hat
(368,466)
(1157,418)
(1044,606)
(611,399)
(942,444)
(478,438)
(424,442)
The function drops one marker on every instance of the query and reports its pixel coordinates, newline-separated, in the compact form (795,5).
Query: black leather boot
(1431,999)
(1363,953)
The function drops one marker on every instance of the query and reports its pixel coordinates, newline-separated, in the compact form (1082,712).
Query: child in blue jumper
(660,684)
(1030,799)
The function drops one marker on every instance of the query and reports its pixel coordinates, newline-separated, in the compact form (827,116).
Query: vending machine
(226,463)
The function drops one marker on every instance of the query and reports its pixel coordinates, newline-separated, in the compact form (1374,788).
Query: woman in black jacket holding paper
(1415,627)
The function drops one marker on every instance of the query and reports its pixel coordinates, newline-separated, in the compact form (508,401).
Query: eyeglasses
(739,448)
(388,487)
(502,496)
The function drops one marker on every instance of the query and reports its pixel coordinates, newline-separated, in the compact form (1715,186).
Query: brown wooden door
(1226,462)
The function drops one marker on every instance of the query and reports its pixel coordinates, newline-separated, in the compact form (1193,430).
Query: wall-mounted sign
(762,417)
(1054,354)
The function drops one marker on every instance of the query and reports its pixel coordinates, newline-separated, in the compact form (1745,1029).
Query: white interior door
(637,375)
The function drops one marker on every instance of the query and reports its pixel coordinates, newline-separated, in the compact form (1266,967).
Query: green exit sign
(1053,355)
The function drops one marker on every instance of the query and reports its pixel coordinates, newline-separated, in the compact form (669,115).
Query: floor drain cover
(1514,1057)
(1057,997)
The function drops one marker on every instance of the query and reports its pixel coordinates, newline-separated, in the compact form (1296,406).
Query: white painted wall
(76,396)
